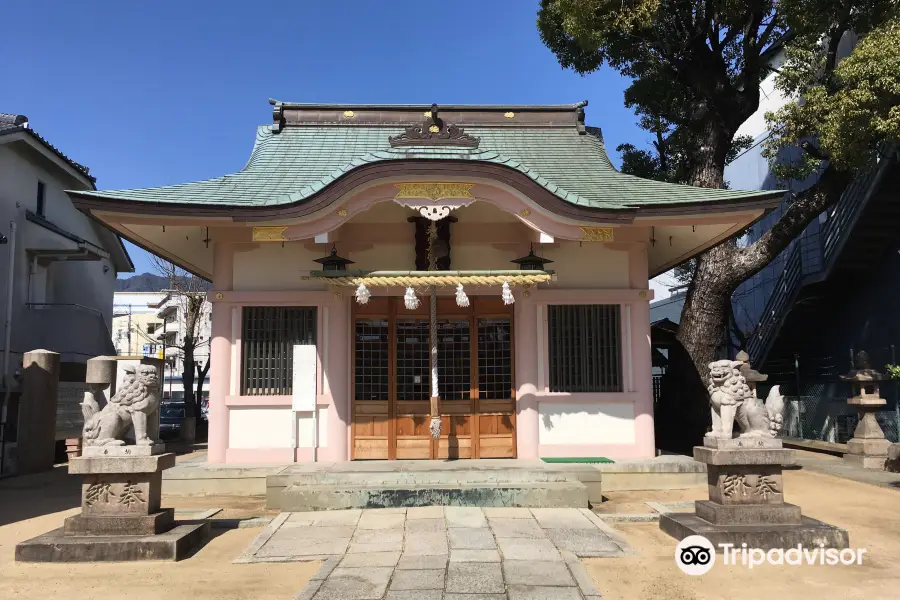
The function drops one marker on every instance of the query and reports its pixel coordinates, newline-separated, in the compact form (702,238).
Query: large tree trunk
(705,312)
(713,141)
(721,269)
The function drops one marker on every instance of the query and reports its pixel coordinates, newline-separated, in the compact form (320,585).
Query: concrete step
(304,497)
(439,478)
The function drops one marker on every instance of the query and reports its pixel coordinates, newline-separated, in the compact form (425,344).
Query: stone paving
(441,553)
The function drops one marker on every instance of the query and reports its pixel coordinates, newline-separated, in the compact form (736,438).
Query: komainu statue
(732,399)
(132,403)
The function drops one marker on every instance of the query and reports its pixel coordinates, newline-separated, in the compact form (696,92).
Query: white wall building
(58,267)
(154,324)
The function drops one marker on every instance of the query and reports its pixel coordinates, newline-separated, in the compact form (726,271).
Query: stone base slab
(107,465)
(810,533)
(740,443)
(748,514)
(744,456)
(55,546)
(152,524)
(868,447)
(129,450)
(866,462)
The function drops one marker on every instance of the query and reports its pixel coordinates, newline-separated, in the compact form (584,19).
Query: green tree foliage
(697,66)
(848,108)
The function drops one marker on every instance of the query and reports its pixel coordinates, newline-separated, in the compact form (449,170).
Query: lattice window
(267,347)
(494,359)
(584,348)
(413,379)
(371,359)
(414,363)
(454,351)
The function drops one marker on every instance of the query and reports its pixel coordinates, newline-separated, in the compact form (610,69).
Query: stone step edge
(575,485)
(285,480)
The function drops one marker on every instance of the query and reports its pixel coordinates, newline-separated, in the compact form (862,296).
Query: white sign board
(304,379)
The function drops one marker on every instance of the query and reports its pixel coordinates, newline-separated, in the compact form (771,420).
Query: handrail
(841,220)
(777,306)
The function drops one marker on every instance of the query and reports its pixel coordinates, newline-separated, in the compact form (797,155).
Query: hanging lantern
(461,298)
(333,262)
(507,294)
(532,262)
(410,299)
(363,294)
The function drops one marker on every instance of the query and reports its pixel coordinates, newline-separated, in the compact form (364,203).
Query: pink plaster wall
(332,369)
(532,368)
(220,353)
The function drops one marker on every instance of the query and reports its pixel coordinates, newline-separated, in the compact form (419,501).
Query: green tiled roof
(295,163)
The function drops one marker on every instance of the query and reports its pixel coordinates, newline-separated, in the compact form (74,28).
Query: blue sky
(156,93)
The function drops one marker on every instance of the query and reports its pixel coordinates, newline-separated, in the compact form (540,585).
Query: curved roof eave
(329,189)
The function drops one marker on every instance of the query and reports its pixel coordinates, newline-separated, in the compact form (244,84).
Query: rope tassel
(410,300)
(507,294)
(363,294)
(461,298)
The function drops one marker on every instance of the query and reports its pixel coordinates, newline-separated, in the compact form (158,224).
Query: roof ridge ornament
(434,131)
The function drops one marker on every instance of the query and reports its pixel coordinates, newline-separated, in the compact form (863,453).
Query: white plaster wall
(587,265)
(72,282)
(271,267)
(586,423)
(259,428)
(480,257)
(305,429)
(389,257)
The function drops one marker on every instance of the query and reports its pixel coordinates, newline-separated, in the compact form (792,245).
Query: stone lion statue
(137,398)
(731,399)
(727,391)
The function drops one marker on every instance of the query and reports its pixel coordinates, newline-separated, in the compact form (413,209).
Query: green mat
(586,459)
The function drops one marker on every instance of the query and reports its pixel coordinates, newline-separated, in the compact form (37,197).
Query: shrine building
(326,249)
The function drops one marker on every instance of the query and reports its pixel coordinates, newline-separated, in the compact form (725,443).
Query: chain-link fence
(818,415)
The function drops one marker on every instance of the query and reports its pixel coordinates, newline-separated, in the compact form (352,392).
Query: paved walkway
(442,553)
(834,465)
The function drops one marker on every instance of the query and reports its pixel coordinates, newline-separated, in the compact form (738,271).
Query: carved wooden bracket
(434,132)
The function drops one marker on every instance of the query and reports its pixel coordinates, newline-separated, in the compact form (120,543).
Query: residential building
(497,287)
(135,326)
(153,324)
(172,325)
(58,266)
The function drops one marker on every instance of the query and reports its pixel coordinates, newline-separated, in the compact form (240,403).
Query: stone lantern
(868,448)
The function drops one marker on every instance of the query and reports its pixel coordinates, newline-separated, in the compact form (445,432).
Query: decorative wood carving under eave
(434,132)
(434,190)
(269,234)
(597,234)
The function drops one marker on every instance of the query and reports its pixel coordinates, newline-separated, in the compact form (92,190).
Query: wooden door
(392,386)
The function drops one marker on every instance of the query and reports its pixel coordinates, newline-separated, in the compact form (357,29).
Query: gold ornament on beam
(269,234)
(597,234)
(434,191)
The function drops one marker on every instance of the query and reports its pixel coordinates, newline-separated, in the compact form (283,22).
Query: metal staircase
(835,240)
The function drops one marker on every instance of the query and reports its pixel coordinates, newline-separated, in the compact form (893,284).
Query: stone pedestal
(746,500)
(868,447)
(121,518)
(37,412)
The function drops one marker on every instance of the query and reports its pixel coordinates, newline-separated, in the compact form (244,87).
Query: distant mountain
(148,282)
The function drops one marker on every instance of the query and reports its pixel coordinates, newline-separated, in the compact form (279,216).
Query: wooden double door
(392,383)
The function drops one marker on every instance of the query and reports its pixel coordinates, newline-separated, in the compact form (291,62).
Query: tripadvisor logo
(696,555)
